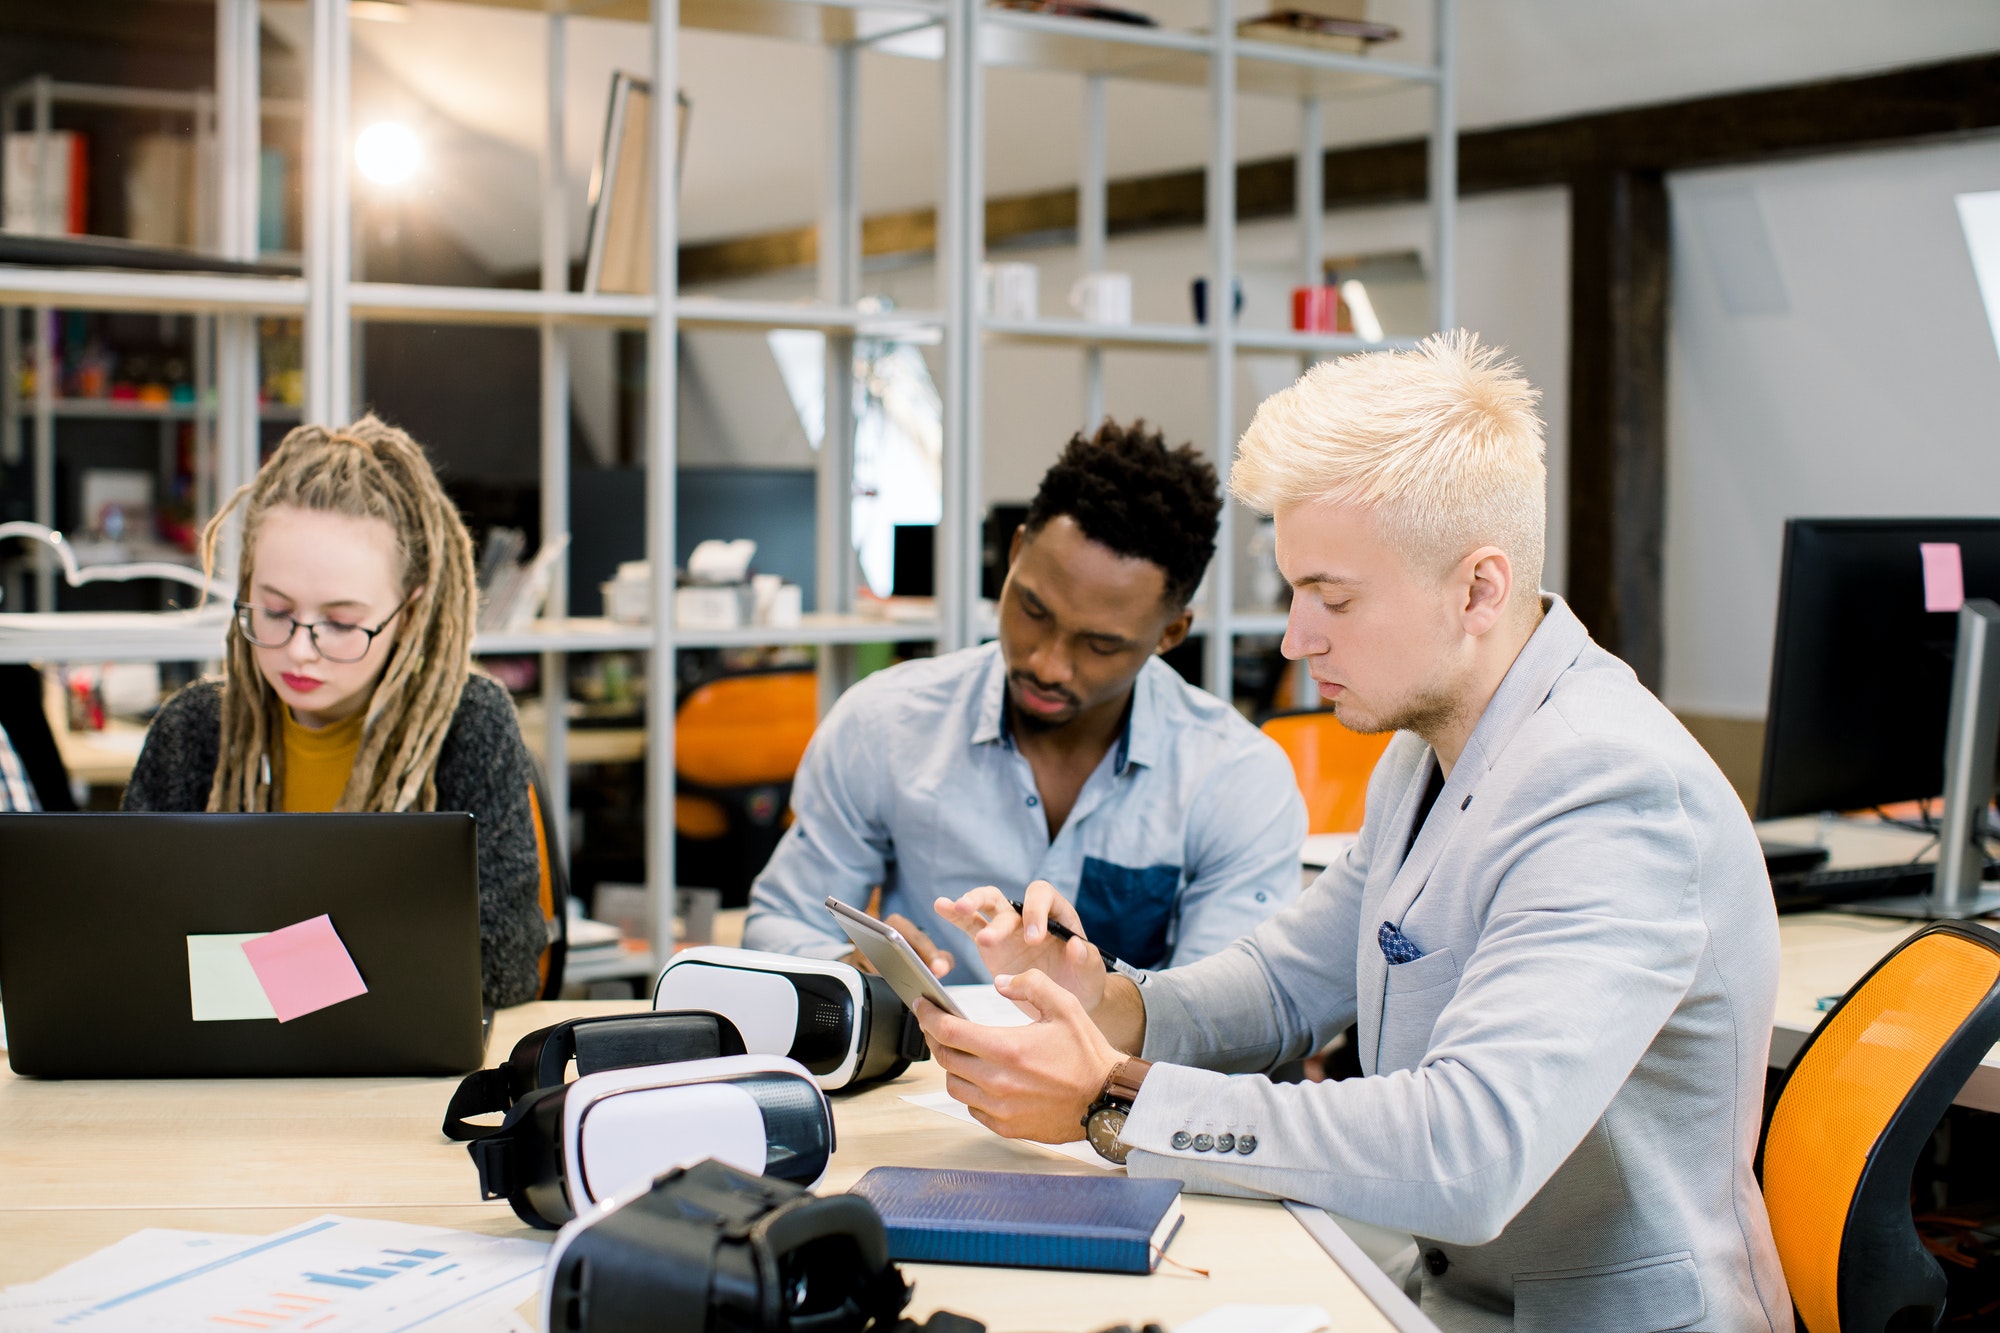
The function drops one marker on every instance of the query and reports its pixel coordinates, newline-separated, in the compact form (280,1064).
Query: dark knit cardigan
(483,768)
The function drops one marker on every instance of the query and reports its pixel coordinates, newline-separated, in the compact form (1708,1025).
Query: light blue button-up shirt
(1183,839)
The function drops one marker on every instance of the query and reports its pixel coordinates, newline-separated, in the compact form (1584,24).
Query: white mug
(1103,298)
(1010,290)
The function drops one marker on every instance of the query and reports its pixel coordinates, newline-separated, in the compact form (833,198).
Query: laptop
(172,945)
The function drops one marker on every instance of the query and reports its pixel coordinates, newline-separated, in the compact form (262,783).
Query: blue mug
(1201,300)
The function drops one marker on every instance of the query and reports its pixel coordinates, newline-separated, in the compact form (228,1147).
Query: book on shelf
(511,594)
(51,201)
(1076,9)
(160,206)
(1310,27)
(1024,1219)
(619,254)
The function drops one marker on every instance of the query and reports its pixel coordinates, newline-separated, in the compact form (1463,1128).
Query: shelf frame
(965,39)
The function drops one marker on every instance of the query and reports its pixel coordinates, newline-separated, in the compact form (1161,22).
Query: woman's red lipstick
(303,684)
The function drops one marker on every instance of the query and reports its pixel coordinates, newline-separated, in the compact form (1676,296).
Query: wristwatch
(1105,1120)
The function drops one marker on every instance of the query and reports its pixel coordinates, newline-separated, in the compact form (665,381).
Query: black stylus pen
(1062,932)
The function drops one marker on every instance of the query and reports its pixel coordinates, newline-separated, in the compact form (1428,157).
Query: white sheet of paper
(1259,1319)
(944,1104)
(222,986)
(341,1272)
(984,1005)
(1323,849)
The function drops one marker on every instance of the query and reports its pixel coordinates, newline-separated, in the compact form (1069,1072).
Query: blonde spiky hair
(366,470)
(1442,443)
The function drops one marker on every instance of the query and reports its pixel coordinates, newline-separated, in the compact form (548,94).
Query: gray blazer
(1567,1085)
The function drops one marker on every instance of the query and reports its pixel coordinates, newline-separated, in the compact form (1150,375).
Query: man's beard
(1031,721)
(1428,712)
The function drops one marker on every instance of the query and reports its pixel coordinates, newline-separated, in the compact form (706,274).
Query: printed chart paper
(304,968)
(332,1275)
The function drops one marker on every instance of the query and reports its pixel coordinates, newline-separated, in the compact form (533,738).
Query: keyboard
(1821,888)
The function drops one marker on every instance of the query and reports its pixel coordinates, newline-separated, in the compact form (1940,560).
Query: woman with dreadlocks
(348,684)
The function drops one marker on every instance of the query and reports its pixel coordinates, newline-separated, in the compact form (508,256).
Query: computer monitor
(1861,671)
(914,572)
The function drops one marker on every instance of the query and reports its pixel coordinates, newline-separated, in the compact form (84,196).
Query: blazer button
(1225,1143)
(1246,1144)
(1435,1263)
(1204,1142)
(1181,1140)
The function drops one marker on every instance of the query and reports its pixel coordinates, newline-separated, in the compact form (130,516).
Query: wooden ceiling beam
(1927,101)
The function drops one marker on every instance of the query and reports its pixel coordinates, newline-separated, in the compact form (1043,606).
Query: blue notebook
(1022,1219)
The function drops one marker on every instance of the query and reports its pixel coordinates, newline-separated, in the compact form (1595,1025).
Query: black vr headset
(845,1025)
(564,1148)
(708,1249)
(618,1041)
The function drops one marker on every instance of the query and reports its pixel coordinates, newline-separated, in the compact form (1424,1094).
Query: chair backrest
(1859,1101)
(1332,765)
(553,890)
(738,731)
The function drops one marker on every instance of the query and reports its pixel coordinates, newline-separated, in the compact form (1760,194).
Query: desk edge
(1397,1308)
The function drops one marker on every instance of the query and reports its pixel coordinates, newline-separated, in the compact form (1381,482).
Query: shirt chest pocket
(1414,995)
(1127,909)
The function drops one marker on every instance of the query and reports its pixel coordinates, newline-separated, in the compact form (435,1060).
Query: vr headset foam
(845,1025)
(564,1148)
(616,1041)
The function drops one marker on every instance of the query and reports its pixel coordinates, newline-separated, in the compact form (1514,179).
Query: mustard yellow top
(317,762)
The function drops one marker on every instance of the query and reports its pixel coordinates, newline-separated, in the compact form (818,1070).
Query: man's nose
(1303,637)
(1051,662)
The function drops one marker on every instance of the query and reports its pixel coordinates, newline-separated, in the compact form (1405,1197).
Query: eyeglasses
(331,639)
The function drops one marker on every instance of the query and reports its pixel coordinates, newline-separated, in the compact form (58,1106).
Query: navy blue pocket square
(1396,946)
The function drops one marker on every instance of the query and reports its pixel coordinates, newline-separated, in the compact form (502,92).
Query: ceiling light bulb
(388,153)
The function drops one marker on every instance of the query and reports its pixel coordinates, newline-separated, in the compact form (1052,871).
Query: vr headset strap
(610,1041)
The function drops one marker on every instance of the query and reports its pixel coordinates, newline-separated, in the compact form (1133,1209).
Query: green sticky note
(222,986)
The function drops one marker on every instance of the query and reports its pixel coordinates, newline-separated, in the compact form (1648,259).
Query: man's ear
(1487,576)
(1176,632)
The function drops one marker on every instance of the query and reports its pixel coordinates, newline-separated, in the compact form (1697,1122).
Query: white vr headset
(564,1148)
(845,1025)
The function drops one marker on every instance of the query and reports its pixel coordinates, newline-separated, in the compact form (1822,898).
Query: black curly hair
(1129,492)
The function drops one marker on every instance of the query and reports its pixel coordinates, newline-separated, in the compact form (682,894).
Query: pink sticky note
(304,968)
(1944,576)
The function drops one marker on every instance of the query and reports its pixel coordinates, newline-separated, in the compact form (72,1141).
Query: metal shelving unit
(963,38)
(1228,67)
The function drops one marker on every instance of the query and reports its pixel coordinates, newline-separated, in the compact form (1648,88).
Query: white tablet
(891,955)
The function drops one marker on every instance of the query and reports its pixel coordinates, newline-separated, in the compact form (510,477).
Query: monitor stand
(1972,738)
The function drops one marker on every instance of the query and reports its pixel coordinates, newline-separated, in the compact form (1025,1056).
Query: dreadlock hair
(366,470)
(1129,492)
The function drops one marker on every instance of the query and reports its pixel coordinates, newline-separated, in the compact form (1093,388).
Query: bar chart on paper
(327,1275)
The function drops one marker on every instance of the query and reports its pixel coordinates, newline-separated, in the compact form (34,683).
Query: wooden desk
(1825,953)
(84,1163)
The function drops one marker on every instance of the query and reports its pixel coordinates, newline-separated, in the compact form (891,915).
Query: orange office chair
(738,741)
(554,886)
(1332,763)
(1860,1100)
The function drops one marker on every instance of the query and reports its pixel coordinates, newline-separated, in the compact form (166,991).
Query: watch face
(1102,1131)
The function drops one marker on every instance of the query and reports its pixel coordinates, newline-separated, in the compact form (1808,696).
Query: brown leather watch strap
(1126,1078)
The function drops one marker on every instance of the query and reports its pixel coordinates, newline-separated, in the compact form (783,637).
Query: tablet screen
(891,955)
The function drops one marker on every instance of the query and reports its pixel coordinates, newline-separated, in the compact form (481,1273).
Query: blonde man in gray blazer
(1554,932)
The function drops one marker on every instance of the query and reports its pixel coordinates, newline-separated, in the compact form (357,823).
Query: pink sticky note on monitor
(1944,576)
(304,968)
